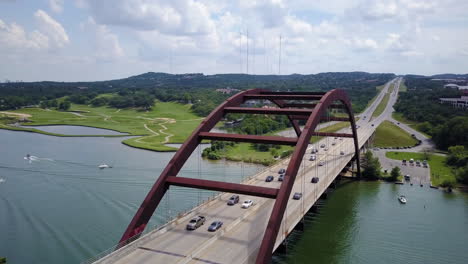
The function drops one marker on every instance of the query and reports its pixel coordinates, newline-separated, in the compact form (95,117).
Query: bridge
(251,235)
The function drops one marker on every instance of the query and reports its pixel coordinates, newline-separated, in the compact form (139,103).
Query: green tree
(461,174)
(64,106)
(395,173)
(371,166)
(3,260)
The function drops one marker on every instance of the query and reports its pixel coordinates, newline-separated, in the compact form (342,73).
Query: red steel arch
(312,112)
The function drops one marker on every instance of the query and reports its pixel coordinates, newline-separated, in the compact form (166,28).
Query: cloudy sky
(70,40)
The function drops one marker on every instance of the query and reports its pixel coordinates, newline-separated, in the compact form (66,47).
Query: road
(240,237)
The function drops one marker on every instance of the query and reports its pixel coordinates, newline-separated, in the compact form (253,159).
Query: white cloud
(56,5)
(14,38)
(53,29)
(106,44)
(183,17)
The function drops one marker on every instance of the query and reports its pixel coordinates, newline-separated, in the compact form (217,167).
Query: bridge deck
(241,235)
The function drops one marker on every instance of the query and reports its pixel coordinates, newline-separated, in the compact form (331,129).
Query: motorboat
(402,199)
(104,166)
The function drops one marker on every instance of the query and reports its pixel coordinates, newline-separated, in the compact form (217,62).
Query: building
(227,90)
(461,102)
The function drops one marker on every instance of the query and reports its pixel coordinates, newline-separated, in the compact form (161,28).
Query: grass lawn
(390,135)
(167,122)
(381,107)
(414,125)
(379,89)
(439,171)
(403,87)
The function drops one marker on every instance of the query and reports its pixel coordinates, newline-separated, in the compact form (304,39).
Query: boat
(103,166)
(402,199)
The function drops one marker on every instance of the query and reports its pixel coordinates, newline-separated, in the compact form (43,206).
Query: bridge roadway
(240,237)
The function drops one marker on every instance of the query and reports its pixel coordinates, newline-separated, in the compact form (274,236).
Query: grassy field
(439,171)
(381,107)
(379,89)
(403,87)
(390,135)
(165,123)
(414,125)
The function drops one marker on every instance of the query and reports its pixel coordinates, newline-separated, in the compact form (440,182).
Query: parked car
(313,151)
(282,171)
(312,158)
(195,222)
(322,146)
(314,180)
(297,196)
(233,200)
(407,177)
(372,125)
(321,163)
(326,149)
(215,226)
(281,177)
(333,143)
(341,153)
(247,203)
(269,178)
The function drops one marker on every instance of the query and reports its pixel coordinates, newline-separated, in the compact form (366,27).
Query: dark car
(195,222)
(297,196)
(215,226)
(315,180)
(233,200)
(282,171)
(269,178)
(281,177)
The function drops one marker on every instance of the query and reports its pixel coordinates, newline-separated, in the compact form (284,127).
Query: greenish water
(363,222)
(60,208)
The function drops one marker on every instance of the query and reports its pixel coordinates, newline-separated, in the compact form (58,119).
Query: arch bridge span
(309,106)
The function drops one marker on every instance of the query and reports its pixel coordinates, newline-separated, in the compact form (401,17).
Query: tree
(395,173)
(458,156)
(64,106)
(461,174)
(371,167)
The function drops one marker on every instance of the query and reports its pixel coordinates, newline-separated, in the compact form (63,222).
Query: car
(322,146)
(297,196)
(341,153)
(424,165)
(282,171)
(398,123)
(313,151)
(372,125)
(321,163)
(341,138)
(314,179)
(326,149)
(233,200)
(336,138)
(281,177)
(407,177)
(333,143)
(247,203)
(424,162)
(195,222)
(269,178)
(312,158)
(215,226)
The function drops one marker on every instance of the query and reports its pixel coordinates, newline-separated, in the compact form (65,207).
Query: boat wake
(2,180)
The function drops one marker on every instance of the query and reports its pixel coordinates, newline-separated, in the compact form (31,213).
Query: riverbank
(166,122)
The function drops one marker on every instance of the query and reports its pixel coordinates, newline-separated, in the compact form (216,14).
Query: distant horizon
(187,73)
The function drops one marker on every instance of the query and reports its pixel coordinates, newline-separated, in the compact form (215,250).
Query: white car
(247,203)
(321,163)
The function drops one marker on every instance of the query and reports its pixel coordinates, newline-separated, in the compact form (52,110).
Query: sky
(90,40)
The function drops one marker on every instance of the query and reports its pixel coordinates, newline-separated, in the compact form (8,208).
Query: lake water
(60,208)
(76,130)
(363,222)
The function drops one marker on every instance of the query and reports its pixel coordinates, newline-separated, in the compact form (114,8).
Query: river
(60,208)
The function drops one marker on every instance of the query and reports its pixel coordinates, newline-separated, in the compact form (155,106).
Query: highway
(241,235)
